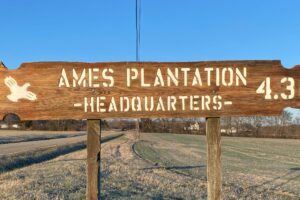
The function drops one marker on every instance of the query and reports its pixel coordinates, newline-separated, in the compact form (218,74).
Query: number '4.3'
(265,88)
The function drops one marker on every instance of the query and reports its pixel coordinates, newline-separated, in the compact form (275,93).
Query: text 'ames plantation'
(73,90)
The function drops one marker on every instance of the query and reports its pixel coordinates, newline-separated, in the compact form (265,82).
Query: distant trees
(56,125)
(284,126)
(257,123)
(259,126)
(297,120)
(172,125)
(146,124)
(121,124)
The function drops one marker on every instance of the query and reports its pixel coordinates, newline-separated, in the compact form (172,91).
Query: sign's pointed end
(2,66)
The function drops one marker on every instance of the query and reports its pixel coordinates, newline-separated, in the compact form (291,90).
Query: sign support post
(214,175)
(93,159)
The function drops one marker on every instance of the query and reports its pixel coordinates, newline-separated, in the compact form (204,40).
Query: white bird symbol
(18,92)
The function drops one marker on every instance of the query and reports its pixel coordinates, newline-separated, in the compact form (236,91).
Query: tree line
(283,126)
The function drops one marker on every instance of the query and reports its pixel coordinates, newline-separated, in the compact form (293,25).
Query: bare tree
(237,121)
(257,122)
(297,120)
(285,119)
(227,124)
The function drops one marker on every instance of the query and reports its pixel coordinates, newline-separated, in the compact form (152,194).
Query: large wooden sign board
(73,90)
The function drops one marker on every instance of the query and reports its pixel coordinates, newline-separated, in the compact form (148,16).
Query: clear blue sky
(171,30)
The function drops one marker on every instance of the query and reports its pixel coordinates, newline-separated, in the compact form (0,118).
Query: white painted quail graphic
(18,92)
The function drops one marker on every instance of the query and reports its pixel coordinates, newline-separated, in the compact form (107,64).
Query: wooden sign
(73,90)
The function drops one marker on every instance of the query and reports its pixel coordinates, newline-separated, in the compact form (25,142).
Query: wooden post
(214,176)
(93,159)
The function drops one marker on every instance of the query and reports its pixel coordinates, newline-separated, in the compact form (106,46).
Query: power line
(138,32)
(138,27)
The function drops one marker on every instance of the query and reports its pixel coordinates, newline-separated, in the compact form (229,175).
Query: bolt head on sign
(74,90)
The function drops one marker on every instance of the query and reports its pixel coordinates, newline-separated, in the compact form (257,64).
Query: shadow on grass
(175,167)
(68,160)
(12,162)
(287,178)
(295,169)
(181,170)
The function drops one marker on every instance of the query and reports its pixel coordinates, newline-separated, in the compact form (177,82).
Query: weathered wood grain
(93,159)
(214,170)
(54,102)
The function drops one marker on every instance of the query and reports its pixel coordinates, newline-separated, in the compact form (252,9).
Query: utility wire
(138,27)
(137,50)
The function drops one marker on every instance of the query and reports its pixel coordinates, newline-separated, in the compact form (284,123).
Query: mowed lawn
(252,163)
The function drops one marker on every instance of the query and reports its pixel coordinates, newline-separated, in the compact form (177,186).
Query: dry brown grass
(10,133)
(124,176)
(16,136)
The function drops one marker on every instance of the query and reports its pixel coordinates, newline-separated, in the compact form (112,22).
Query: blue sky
(171,30)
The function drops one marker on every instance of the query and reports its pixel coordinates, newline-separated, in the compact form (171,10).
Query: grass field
(165,166)
(19,160)
(271,165)
(14,136)
(43,152)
